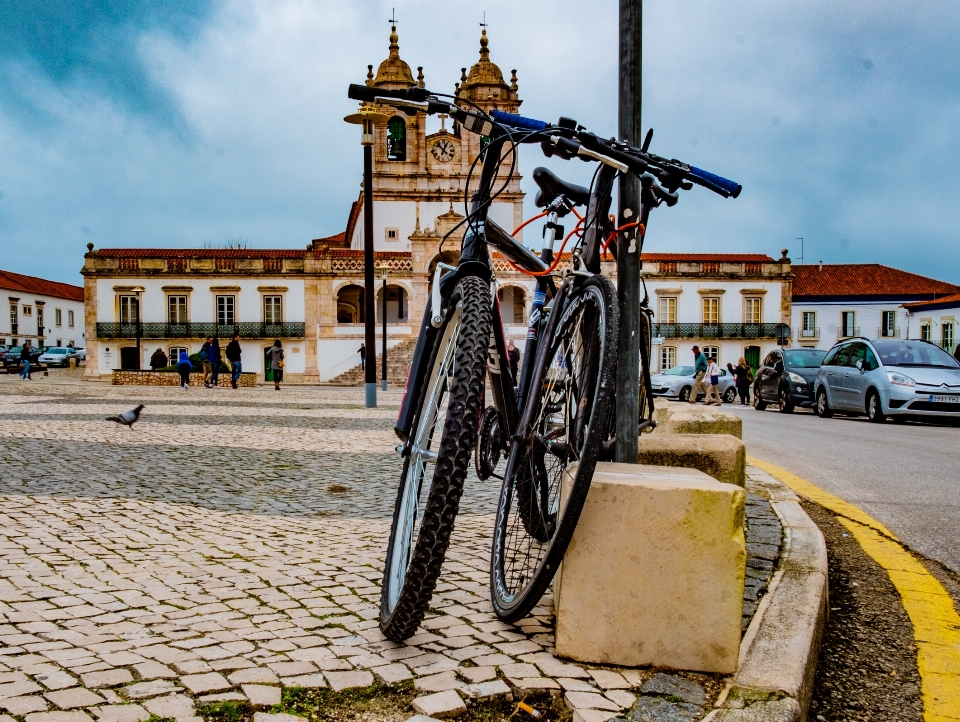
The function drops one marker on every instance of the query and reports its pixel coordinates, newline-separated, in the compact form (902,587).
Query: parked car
(786,378)
(57,356)
(11,360)
(888,377)
(677,383)
(81,354)
(3,349)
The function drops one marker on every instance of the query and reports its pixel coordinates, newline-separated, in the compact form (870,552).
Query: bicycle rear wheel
(445,431)
(571,413)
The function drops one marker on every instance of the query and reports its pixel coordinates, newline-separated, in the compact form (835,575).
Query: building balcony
(848,333)
(808,334)
(716,330)
(199,330)
(888,332)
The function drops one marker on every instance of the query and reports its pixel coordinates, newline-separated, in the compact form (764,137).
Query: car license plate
(944,399)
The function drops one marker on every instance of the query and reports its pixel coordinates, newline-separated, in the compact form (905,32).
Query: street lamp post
(383,268)
(367,117)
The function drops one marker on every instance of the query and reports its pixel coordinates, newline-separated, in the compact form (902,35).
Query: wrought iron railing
(716,330)
(808,332)
(200,330)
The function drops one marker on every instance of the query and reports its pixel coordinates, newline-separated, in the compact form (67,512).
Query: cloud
(163,124)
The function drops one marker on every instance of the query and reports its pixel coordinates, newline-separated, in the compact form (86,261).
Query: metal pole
(628,256)
(369,300)
(383,359)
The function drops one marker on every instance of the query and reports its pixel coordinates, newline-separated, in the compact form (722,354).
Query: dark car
(11,359)
(787,378)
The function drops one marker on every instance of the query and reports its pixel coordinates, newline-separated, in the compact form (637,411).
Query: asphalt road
(906,476)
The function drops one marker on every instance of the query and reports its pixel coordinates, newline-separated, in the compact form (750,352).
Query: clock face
(443,150)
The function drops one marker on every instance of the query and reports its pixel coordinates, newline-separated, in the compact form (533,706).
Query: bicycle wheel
(445,430)
(570,419)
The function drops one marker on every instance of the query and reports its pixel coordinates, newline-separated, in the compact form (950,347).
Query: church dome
(485,81)
(393,73)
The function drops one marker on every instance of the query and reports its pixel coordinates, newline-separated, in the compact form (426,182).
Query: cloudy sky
(145,123)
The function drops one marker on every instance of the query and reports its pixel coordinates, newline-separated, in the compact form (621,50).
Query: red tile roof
(198,253)
(39,286)
(946,301)
(865,280)
(335,238)
(708,257)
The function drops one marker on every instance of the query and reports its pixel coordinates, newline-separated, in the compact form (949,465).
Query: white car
(57,356)
(677,383)
(81,354)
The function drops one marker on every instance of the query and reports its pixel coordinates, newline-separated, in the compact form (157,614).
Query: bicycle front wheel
(539,508)
(445,431)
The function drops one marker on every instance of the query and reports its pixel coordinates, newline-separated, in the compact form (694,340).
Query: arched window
(396,139)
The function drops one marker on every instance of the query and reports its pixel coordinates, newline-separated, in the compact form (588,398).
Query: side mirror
(779,367)
(860,365)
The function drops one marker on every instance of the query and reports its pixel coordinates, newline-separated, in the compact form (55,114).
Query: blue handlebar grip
(518,121)
(728,185)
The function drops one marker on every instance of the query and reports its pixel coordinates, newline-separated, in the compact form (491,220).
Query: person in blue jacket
(184,367)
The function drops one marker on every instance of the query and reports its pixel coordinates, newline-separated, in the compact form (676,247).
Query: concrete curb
(778,654)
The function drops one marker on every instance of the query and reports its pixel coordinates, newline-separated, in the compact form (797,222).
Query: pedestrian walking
(513,356)
(25,361)
(743,376)
(184,367)
(205,360)
(215,359)
(956,352)
(363,357)
(713,388)
(158,360)
(276,363)
(233,356)
(699,371)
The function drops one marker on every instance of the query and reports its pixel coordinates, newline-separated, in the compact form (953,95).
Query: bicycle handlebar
(518,121)
(707,180)
(370,94)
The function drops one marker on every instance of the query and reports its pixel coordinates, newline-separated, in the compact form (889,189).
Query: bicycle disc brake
(489,443)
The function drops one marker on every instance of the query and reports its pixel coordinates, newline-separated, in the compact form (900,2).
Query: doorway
(267,369)
(751,354)
(130,358)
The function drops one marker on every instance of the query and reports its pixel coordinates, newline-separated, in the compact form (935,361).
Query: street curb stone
(778,654)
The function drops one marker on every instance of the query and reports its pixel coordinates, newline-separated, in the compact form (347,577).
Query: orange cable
(528,222)
(556,260)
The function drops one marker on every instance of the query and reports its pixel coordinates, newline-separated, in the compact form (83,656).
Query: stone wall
(172,378)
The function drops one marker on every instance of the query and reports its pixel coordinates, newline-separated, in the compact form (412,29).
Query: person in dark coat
(158,360)
(742,378)
(276,363)
(956,352)
(25,360)
(513,356)
(184,367)
(363,357)
(233,356)
(215,358)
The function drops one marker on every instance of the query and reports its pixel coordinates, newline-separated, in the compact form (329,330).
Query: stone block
(122,713)
(261,695)
(23,705)
(439,705)
(654,573)
(593,715)
(346,680)
(74,697)
(704,421)
(722,456)
(589,700)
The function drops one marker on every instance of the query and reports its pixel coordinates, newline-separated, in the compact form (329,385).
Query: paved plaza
(229,543)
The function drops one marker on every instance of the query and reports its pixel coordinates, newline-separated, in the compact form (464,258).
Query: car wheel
(731,395)
(874,408)
(758,403)
(684,394)
(823,408)
(783,400)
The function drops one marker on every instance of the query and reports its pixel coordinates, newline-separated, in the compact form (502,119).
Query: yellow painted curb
(936,624)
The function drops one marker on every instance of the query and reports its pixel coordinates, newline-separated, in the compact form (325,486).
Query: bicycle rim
(535,516)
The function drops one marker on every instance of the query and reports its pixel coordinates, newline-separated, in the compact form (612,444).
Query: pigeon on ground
(127,418)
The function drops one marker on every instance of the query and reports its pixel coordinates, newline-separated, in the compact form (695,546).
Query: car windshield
(679,371)
(913,353)
(808,358)
(57,350)
(15,349)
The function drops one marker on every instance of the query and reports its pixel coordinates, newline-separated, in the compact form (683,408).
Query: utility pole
(628,256)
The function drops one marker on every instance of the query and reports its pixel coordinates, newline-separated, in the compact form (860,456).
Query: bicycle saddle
(551,186)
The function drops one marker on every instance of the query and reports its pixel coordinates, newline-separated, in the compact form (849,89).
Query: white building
(173,299)
(730,305)
(837,301)
(935,320)
(45,313)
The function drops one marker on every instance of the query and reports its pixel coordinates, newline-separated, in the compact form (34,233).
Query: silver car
(677,383)
(888,377)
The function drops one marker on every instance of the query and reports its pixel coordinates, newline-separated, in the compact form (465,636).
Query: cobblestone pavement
(229,543)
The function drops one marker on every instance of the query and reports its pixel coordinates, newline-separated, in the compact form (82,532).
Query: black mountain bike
(565,394)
